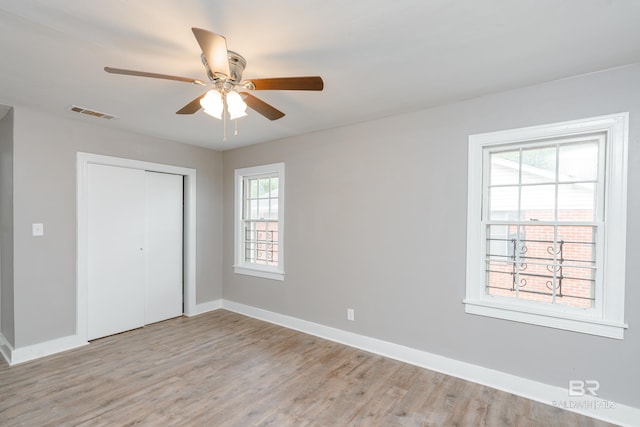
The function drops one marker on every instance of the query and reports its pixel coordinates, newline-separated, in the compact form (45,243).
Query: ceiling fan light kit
(236,106)
(212,104)
(224,70)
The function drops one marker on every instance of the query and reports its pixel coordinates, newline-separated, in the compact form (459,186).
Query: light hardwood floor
(224,369)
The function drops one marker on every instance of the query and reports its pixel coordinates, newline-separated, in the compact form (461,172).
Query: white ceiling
(377,57)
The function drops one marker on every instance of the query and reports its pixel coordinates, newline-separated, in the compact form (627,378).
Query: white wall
(44,167)
(6,227)
(376,221)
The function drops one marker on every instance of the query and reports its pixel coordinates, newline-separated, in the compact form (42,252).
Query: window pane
(577,233)
(498,231)
(503,203)
(578,244)
(536,243)
(539,165)
(273,209)
(274,187)
(504,168)
(577,287)
(500,279)
(536,284)
(253,188)
(576,202)
(263,208)
(536,257)
(273,254)
(578,162)
(253,209)
(249,231)
(501,242)
(263,187)
(538,203)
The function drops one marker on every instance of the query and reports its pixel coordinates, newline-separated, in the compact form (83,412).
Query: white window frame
(240,265)
(607,317)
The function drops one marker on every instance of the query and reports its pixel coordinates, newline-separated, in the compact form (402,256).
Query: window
(259,196)
(546,225)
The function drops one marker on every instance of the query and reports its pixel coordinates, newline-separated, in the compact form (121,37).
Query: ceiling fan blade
(191,107)
(152,75)
(214,48)
(288,83)
(262,107)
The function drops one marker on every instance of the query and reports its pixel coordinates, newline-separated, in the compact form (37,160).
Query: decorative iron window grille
(261,241)
(555,265)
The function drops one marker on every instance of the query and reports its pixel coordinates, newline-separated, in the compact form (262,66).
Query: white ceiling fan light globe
(236,105)
(212,104)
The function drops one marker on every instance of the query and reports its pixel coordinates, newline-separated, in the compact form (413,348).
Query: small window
(547,225)
(259,225)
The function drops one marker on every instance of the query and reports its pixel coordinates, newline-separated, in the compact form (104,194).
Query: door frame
(189,230)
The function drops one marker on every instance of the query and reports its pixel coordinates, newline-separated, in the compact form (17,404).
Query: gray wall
(6,227)
(376,221)
(45,191)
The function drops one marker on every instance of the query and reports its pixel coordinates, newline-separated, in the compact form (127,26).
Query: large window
(546,225)
(259,226)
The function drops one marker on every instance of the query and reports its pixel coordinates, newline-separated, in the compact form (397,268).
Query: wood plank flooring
(224,369)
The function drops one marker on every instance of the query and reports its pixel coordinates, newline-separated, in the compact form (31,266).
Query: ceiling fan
(228,90)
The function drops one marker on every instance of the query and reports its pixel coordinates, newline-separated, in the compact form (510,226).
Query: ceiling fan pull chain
(236,130)
(224,126)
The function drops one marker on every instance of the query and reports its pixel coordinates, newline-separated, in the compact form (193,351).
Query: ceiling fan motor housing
(237,64)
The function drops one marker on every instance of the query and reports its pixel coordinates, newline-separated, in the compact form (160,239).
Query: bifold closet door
(134,248)
(163,247)
(116,267)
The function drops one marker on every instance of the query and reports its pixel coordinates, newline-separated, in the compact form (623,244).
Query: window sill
(249,271)
(563,321)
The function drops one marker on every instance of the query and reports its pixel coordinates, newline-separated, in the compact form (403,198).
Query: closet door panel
(163,247)
(116,270)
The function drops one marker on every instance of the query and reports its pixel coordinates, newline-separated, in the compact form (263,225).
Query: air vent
(92,113)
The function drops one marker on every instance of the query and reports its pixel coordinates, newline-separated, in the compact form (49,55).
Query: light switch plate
(37,229)
(351,314)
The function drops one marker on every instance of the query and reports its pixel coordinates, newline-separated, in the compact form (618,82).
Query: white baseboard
(594,407)
(13,356)
(205,307)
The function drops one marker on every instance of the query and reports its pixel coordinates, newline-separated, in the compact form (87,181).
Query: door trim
(189,270)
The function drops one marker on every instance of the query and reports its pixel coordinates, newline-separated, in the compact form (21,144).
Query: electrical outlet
(351,314)
(37,229)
